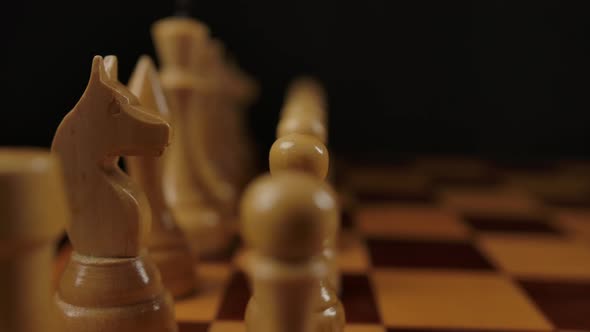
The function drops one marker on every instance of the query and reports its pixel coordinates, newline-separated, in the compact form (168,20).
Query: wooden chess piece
(306,97)
(223,129)
(308,155)
(299,152)
(167,245)
(284,221)
(309,89)
(301,147)
(110,283)
(242,91)
(235,93)
(304,113)
(33,213)
(202,200)
(305,123)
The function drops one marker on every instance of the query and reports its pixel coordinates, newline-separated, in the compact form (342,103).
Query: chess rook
(110,283)
(33,212)
(167,245)
(284,221)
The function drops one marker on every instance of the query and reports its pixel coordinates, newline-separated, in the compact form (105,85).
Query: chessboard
(441,244)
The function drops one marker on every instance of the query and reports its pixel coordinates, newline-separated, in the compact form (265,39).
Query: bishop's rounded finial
(299,152)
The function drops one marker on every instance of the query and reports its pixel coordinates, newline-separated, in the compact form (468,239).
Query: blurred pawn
(286,218)
(33,212)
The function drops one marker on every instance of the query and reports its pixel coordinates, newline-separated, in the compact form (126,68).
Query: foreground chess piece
(110,283)
(33,212)
(202,200)
(308,155)
(284,221)
(167,245)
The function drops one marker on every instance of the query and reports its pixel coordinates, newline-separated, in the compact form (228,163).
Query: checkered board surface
(444,245)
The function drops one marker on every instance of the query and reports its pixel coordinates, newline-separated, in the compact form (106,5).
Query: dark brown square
(358,300)
(484,181)
(526,165)
(226,255)
(192,327)
(347,217)
(63,242)
(566,304)
(568,202)
(236,297)
(510,225)
(399,197)
(426,254)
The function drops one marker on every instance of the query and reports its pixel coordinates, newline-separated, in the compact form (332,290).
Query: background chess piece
(167,245)
(300,146)
(201,198)
(284,221)
(110,283)
(33,213)
(308,155)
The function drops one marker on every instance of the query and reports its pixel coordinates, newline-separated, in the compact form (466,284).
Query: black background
(490,78)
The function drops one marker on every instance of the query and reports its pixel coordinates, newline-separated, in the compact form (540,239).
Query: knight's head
(115,117)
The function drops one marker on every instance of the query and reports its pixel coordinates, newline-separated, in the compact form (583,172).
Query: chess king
(110,283)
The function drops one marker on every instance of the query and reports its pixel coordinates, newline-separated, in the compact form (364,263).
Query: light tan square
(454,300)
(227,326)
(575,223)
(538,256)
(411,221)
(352,254)
(203,305)
(494,202)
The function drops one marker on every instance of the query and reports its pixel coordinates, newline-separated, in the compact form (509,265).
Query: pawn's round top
(301,153)
(302,123)
(288,215)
